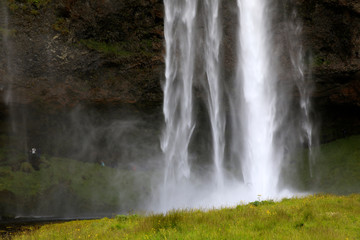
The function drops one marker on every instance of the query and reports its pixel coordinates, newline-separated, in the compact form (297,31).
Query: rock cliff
(332,30)
(65,52)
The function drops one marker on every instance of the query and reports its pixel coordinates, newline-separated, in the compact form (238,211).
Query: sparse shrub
(61,26)
(32,6)
(121,218)
(320,61)
(266,202)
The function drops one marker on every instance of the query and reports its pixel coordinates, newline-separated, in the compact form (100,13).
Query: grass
(335,168)
(312,217)
(92,184)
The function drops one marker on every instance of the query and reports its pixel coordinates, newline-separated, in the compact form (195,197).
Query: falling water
(260,168)
(214,89)
(178,96)
(17,118)
(245,116)
(303,83)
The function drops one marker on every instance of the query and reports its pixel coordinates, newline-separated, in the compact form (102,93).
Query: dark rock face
(332,30)
(66,52)
(332,34)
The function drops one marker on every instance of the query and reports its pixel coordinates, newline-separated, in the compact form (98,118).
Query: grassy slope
(337,168)
(313,217)
(91,183)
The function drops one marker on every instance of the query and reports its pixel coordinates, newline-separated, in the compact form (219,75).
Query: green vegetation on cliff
(116,49)
(33,6)
(313,217)
(121,49)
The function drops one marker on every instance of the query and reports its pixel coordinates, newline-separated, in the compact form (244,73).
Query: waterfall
(214,87)
(178,96)
(260,168)
(303,83)
(251,133)
(17,118)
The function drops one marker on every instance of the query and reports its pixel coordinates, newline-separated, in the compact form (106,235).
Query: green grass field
(336,170)
(312,217)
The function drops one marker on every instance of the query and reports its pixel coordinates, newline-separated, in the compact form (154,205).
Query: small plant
(320,61)
(258,203)
(61,26)
(38,3)
(121,218)
(114,49)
